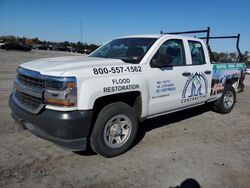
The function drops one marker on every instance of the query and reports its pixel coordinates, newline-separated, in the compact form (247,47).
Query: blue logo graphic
(195,88)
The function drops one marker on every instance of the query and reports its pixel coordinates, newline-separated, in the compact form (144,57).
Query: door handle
(207,72)
(186,74)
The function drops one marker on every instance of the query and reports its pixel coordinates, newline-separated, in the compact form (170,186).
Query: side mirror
(164,60)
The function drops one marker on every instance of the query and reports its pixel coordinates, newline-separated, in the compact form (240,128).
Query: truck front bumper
(69,130)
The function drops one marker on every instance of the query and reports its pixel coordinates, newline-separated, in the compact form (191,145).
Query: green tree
(222,57)
(92,47)
(232,56)
(66,43)
(245,56)
(36,41)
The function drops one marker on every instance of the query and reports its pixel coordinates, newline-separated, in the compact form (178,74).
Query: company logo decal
(195,88)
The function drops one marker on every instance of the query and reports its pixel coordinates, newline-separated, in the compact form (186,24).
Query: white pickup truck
(99,100)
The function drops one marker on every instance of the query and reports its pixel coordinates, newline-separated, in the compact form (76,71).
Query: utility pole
(81,29)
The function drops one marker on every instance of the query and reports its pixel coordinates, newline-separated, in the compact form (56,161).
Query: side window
(171,53)
(197,53)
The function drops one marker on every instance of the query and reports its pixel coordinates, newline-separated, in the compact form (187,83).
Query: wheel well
(232,82)
(133,99)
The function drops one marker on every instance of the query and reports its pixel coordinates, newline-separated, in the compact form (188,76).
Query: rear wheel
(114,130)
(226,102)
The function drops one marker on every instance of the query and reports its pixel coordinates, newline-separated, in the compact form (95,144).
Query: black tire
(107,130)
(220,105)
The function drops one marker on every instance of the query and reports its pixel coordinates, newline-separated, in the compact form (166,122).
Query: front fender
(93,88)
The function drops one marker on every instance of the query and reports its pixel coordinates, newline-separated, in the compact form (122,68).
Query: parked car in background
(87,51)
(62,48)
(79,50)
(42,47)
(82,51)
(2,45)
(248,71)
(17,46)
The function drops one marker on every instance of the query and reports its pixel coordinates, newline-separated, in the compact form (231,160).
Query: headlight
(55,85)
(61,91)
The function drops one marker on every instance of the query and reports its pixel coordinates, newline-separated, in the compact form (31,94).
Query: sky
(59,20)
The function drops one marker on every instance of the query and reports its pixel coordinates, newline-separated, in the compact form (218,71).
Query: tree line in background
(87,48)
(233,56)
(50,45)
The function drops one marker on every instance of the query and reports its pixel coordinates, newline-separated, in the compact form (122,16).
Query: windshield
(130,50)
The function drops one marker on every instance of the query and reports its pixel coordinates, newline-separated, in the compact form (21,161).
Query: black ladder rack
(207,31)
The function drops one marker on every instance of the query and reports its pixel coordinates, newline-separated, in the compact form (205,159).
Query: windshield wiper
(129,60)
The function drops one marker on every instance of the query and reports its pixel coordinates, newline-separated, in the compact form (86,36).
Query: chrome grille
(31,81)
(29,101)
(29,89)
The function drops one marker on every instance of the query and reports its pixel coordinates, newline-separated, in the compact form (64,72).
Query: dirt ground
(196,147)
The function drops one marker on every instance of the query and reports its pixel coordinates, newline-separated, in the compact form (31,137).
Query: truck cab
(179,70)
(101,99)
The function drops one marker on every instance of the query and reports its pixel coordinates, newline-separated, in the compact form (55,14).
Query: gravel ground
(195,146)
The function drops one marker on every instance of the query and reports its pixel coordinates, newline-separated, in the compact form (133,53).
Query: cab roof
(156,36)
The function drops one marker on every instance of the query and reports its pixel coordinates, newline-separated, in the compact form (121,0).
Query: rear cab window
(197,53)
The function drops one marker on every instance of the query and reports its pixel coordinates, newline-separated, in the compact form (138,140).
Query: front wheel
(114,130)
(226,102)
